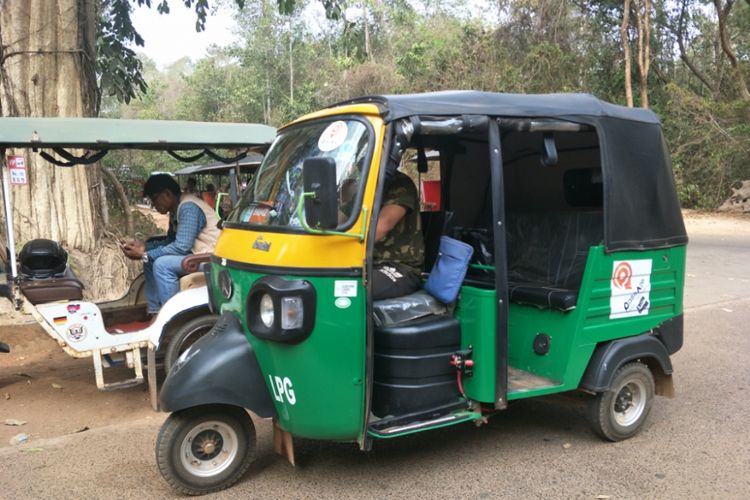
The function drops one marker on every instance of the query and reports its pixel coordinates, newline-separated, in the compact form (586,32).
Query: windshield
(273,198)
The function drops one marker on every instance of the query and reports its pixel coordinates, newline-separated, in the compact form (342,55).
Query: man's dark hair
(158,183)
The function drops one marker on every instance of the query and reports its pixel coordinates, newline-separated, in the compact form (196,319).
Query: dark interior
(553,213)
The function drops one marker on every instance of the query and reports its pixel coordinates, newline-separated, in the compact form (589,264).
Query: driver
(399,249)
(192,229)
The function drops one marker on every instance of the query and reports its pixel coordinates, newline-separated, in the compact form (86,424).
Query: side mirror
(319,178)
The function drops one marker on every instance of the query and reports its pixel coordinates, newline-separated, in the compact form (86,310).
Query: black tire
(185,336)
(619,412)
(191,440)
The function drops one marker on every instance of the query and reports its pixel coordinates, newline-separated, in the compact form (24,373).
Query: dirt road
(86,443)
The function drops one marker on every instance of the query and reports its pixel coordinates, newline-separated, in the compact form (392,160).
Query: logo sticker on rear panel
(76,332)
(630,287)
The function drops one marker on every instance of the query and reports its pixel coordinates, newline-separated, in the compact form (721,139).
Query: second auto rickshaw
(575,283)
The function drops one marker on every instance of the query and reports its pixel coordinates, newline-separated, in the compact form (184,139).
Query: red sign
(17,169)
(430,196)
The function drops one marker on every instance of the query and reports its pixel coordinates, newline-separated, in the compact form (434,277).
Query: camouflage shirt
(404,244)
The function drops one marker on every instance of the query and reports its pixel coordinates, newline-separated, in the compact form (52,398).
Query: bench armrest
(191,263)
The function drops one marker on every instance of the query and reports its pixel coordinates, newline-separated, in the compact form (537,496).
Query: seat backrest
(551,248)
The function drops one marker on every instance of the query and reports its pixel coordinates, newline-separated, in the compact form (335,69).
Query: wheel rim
(209,448)
(629,403)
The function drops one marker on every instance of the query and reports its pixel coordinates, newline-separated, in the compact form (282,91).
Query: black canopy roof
(470,102)
(640,200)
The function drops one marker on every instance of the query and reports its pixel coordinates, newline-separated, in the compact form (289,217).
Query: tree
(47,68)
(642,17)
(722,10)
(625,39)
(643,26)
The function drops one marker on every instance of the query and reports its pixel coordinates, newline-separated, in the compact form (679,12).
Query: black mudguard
(610,356)
(220,368)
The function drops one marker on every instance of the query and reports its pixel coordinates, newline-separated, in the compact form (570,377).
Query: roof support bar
(7,207)
(539,125)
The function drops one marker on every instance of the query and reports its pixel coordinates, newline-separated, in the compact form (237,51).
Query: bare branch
(726,46)
(683,53)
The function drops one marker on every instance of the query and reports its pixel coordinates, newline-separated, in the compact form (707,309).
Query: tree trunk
(726,46)
(366,25)
(291,66)
(47,59)
(111,177)
(643,25)
(626,49)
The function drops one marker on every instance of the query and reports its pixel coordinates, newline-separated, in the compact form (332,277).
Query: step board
(521,381)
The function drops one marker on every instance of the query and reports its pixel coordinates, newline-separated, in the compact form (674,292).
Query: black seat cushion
(51,290)
(543,296)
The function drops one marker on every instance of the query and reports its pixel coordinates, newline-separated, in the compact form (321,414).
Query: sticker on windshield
(630,286)
(333,136)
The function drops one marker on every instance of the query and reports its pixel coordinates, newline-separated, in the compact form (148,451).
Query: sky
(172,36)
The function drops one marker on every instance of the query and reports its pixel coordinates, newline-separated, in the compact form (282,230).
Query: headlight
(266,310)
(281,310)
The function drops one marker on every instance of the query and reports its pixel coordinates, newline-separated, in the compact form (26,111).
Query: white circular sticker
(333,136)
(343,302)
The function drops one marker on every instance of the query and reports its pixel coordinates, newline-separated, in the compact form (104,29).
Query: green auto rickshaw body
(572,199)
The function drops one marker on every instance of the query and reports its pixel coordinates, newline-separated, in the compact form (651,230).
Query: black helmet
(42,259)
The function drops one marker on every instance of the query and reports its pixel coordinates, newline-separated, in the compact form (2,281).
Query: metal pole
(233,189)
(7,207)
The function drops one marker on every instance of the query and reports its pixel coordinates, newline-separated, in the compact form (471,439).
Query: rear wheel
(206,448)
(619,412)
(185,336)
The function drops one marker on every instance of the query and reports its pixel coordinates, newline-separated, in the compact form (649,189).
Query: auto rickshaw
(231,176)
(575,282)
(39,280)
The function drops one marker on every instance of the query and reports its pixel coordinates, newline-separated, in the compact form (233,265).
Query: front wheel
(185,336)
(619,412)
(206,448)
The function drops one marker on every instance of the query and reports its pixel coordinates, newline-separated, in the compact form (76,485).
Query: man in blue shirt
(192,229)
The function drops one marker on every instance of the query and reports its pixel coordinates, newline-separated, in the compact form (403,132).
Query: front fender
(220,368)
(193,298)
(610,356)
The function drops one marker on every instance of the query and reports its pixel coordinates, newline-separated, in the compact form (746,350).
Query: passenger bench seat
(547,255)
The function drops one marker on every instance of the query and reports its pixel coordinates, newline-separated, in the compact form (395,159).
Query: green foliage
(285,66)
(119,71)
(710,146)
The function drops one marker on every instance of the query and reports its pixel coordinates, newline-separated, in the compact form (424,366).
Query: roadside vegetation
(689,61)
